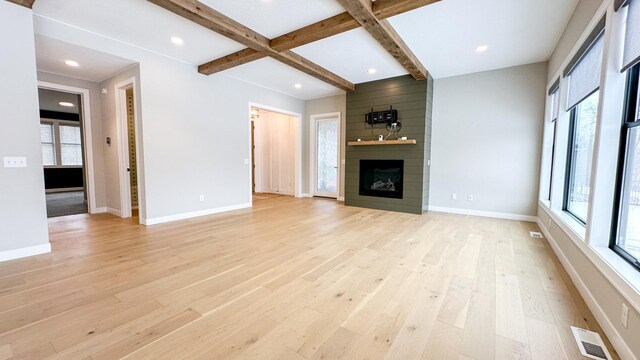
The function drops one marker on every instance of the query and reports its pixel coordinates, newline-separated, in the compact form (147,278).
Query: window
(61,143)
(70,145)
(626,231)
(48,146)
(582,101)
(581,136)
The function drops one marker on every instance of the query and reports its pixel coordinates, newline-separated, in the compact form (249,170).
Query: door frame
(85,98)
(313,150)
(123,149)
(297,185)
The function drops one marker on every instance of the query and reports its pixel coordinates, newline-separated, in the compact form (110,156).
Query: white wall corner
(192,214)
(100,210)
(607,326)
(24,252)
(497,215)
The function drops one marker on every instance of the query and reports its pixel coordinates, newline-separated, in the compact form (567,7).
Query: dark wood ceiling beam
(383,32)
(25,3)
(211,19)
(323,29)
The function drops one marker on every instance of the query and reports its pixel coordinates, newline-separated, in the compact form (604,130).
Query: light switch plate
(15,162)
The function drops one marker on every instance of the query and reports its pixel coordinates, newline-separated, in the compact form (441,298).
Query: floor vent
(590,344)
(535,234)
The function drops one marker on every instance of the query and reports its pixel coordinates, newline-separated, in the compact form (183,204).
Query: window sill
(622,276)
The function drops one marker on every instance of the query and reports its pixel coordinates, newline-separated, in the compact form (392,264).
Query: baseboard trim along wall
(192,214)
(24,252)
(616,340)
(497,215)
(113,211)
(100,210)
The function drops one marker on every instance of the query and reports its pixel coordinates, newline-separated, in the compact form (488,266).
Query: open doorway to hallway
(274,139)
(63,152)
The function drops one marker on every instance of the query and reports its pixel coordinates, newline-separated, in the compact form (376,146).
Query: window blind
(632,36)
(555,105)
(584,77)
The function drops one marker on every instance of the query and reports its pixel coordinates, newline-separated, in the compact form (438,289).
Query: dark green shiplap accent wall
(413,100)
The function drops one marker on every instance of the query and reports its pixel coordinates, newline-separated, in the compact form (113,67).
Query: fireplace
(381,178)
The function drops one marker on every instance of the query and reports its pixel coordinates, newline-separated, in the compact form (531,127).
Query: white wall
(23,218)
(195,129)
(584,11)
(331,104)
(96,127)
(487,133)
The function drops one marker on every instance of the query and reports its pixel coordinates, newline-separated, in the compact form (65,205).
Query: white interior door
(326,157)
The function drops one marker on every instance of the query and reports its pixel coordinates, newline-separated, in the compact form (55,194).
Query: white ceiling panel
(272,18)
(95,66)
(282,78)
(445,35)
(140,23)
(351,54)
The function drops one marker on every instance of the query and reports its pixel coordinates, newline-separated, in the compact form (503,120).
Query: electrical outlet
(470,197)
(454,196)
(201,197)
(624,315)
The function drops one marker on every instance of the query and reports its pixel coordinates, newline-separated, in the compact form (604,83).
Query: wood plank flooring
(291,279)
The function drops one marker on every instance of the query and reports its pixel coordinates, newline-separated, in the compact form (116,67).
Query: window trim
(629,120)
(57,143)
(554,127)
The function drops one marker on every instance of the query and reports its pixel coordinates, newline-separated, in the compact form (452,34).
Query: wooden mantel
(383,142)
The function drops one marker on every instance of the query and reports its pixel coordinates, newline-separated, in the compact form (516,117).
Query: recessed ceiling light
(66,104)
(482,48)
(298,86)
(72,63)
(372,71)
(176,40)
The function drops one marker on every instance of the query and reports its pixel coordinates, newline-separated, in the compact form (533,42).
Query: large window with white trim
(582,129)
(61,143)
(582,103)
(625,239)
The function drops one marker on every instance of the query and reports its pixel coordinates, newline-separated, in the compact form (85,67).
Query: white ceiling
(94,65)
(443,36)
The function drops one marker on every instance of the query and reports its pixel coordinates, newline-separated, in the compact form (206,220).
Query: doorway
(325,155)
(65,135)
(275,151)
(128,154)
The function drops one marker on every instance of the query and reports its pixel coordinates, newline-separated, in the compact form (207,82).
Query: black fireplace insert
(381,178)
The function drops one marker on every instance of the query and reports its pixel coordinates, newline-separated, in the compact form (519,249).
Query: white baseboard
(497,215)
(100,210)
(113,211)
(189,215)
(305,195)
(341,198)
(24,252)
(607,326)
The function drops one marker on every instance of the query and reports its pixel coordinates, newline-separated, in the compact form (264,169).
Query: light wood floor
(291,279)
